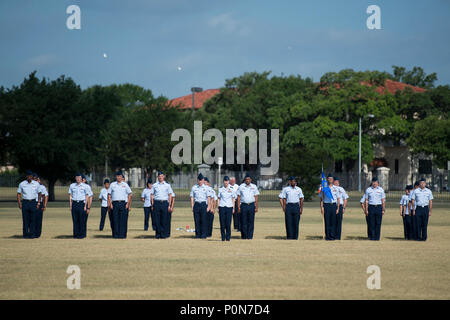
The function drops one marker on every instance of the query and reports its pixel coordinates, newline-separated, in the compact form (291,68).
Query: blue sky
(146,41)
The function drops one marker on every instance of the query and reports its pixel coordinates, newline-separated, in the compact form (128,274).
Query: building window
(338,166)
(425,167)
(396,166)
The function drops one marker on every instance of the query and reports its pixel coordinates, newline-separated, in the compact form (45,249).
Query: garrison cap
(291,178)
(330,176)
(119,173)
(409,187)
(206,179)
(160,173)
(35,175)
(422,179)
(247,175)
(29,173)
(149,180)
(226,178)
(77,174)
(416,184)
(374,179)
(200,176)
(336,178)
(106,181)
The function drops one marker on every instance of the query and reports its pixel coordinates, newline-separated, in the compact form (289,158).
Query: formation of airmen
(237,203)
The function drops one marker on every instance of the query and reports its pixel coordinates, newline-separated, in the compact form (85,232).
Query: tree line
(56,128)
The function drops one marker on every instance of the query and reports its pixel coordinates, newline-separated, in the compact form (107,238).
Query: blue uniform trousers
(375,218)
(147,213)
(28,218)
(292,220)
(200,219)
(103,212)
(38,221)
(120,220)
(413,226)
(210,220)
(330,218)
(247,216)
(339,218)
(422,222)
(225,214)
(79,219)
(407,227)
(162,222)
(236,218)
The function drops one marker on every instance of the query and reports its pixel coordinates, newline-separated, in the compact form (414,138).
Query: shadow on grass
(64,236)
(396,238)
(16,236)
(103,236)
(145,236)
(356,238)
(275,237)
(186,236)
(314,238)
(235,237)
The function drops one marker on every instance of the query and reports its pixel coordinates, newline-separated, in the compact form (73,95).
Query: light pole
(359,151)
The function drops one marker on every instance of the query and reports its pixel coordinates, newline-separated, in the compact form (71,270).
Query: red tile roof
(185,102)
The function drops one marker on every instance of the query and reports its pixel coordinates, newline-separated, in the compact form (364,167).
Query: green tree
(415,77)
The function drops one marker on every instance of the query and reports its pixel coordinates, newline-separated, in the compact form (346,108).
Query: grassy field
(267,267)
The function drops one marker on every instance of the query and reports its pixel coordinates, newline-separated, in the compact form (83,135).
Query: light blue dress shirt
(104,197)
(161,191)
(146,195)
(200,193)
(226,196)
(422,197)
(292,195)
(78,191)
(43,191)
(119,191)
(341,194)
(89,192)
(404,202)
(29,191)
(375,195)
(363,198)
(334,192)
(410,197)
(212,193)
(247,193)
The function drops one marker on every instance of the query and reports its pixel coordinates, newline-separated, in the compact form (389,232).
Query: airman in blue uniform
(27,192)
(247,197)
(375,207)
(78,200)
(291,200)
(200,201)
(146,198)
(227,199)
(42,206)
(414,235)
(212,208)
(103,198)
(119,201)
(161,198)
(405,213)
(236,215)
(330,209)
(343,199)
(422,202)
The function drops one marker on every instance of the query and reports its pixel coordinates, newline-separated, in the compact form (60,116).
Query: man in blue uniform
(343,199)
(291,200)
(119,201)
(330,209)
(227,199)
(414,235)
(405,213)
(146,198)
(27,192)
(103,198)
(375,206)
(200,200)
(236,216)
(42,206)
(212,209)
(161,198)
(422,202)
(78,201)
(247,197)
